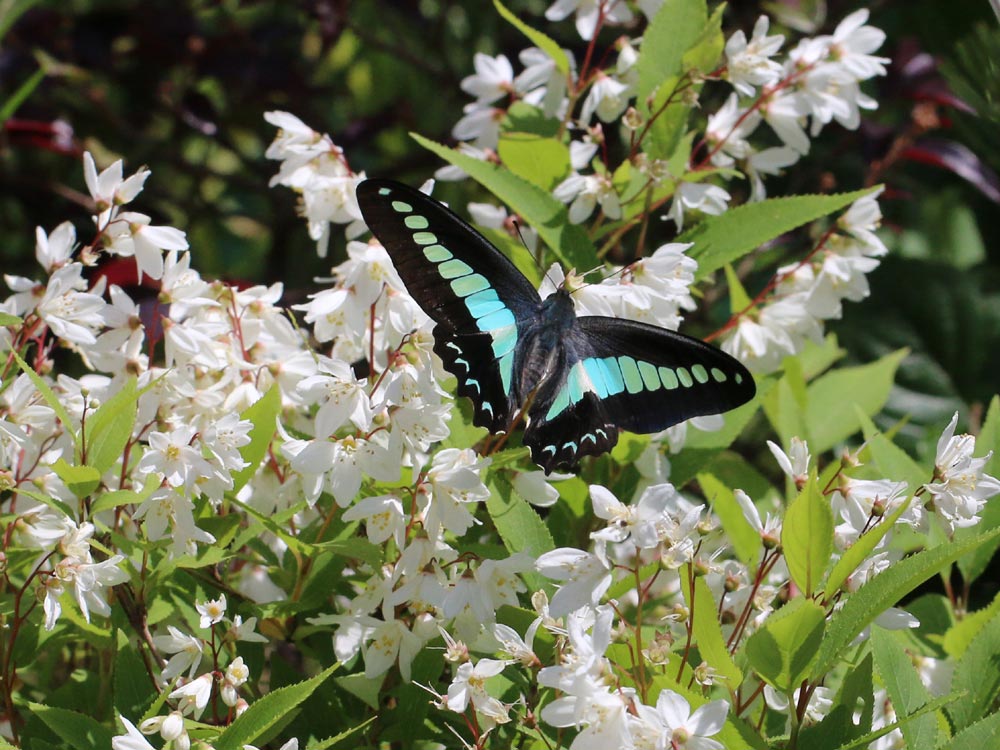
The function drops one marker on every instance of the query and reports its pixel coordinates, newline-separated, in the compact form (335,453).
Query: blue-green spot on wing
(477,298)
(621,374)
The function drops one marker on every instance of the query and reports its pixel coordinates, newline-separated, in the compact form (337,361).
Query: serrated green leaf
(708,631)
(785,405)
(109,429)
(77,730)
(519,526)
(883,591)
(545,43)
(263,414)
(977,736)
(543,212)
(830,417)
(858,552)
(81,480)
(807,537)
(722,239)
(133,691)
(674,30)
(977,674)
(541,161)
(50,397)
(268,711)
(782,651)
(905,689)
(867,739)
(337,739)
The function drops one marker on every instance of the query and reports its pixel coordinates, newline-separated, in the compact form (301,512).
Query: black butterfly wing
(621,374)
(481,304)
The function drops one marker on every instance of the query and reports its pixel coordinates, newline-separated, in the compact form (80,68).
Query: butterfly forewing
(633,376)
(477,298)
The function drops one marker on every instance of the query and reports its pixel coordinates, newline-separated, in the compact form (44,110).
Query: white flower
(697,196)
(493,79)
(534,487)
(520,649)
(608,97)
(795,463)
(193,697)
(236,674)
(588,12)
(748,65)
(186,650)
(131,740)
(170,727)
(108,189)
(383,516)
(53,251)
(851,44)
(585,192)
(211,611)
(962,488)
(71,314)
(480,123)
(469,685)
(586,577)
(768,529)
(341,396)
(541,83)
(687,729)
(453,485)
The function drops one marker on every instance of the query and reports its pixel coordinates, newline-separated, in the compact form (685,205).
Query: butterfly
(580,380)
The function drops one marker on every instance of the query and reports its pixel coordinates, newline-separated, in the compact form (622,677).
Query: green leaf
(519,526)
(978,673)
(546,214)
(337,739)
(676,28)
(77,730)
(263,413)
(6,319)
(786,404)
(743,537)
(738,297)
(978,735)
(807,537)
(15,100)
(708,631)
(830,418)
(882,592)
(704,54)
(858,552)
(905,689)
(81,480)
(541,161)
(724,238)
(50,397)
(108,430)
(545,43)
(133,691)
(353,548)
(866,739)
(785,647)
(268,711)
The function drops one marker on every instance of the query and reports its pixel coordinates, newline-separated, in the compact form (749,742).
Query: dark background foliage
(181,87)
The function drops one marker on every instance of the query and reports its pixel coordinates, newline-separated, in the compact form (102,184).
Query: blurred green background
(181,87)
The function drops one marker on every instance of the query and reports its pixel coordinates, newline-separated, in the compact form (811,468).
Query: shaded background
(182,86)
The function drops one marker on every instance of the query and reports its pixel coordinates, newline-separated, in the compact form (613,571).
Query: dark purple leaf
(958,159)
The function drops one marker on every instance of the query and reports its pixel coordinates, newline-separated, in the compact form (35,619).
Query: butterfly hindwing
(633,376)
(477,298)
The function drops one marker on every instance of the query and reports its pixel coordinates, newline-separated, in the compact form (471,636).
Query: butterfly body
(580,379)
